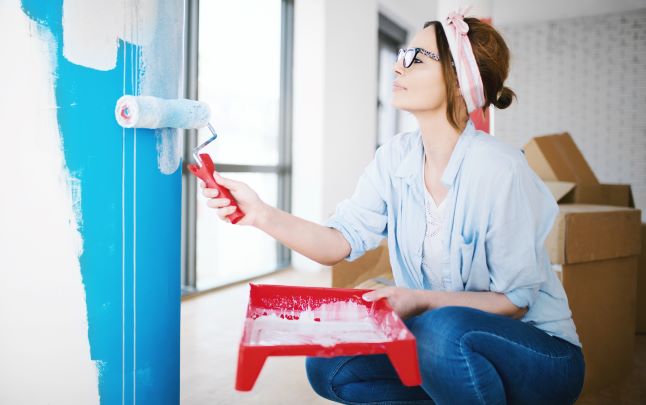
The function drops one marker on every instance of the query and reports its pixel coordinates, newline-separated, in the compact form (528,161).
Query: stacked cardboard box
(595,244)
(558,161)
(641,287)
(596,248)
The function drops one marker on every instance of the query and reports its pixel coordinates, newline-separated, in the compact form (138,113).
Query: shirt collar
(408,168)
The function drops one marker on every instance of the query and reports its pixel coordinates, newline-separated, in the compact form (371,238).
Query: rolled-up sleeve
(521,218)
(363,218)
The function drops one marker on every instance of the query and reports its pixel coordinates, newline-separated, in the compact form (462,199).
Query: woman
(466,221)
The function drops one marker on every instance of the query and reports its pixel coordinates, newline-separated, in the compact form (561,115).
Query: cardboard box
(597,248)
(557,158)
(641,286)
(603,194)
(587,233)
(559,162)
(602,299)
(374,263)
(619,195)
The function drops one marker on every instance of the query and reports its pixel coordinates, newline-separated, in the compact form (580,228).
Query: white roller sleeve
(152,112)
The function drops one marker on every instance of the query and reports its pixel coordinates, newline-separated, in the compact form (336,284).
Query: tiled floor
(211,329)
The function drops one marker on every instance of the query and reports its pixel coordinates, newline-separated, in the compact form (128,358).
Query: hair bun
(505,98)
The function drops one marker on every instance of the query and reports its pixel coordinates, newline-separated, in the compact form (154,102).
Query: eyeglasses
(410,54)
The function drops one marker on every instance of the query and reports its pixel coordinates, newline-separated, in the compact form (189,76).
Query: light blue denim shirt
(498,215)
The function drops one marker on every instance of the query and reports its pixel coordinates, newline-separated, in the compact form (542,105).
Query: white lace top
(432,260)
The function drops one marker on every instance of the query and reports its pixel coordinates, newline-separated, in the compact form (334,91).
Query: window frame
(283,169)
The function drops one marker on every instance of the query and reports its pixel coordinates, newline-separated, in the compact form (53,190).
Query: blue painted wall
(131,216)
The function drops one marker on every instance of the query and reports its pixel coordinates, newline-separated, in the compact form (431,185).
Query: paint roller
(153,113)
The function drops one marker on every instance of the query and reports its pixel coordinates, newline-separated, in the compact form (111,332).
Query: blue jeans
(466,356)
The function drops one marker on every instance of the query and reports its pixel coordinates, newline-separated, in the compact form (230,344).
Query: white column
(335,96)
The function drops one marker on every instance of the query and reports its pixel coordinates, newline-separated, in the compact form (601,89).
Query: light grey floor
(211,330)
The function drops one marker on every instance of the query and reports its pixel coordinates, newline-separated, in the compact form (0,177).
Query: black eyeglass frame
(403,53)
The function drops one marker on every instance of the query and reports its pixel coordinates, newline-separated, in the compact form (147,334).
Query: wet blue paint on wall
(146,368)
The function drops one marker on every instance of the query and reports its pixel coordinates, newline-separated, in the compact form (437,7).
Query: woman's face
(421,86)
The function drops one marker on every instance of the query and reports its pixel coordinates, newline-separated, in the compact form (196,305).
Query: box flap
(557,158)
(585,233)
(619,195)
(538,162)
(560,188)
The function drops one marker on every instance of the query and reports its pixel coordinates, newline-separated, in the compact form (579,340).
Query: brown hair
(492,57)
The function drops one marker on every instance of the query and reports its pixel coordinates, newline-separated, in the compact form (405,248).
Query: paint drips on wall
(91,34)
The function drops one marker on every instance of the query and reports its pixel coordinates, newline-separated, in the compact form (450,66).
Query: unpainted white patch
(92,29)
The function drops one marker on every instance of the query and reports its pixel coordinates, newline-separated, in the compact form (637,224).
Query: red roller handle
(205,172)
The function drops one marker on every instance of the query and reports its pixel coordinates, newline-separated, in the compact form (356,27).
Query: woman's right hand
(318,242)
(250,204)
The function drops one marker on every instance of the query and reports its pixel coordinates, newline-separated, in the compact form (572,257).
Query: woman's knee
(439,331)
(447,321)
(320,373)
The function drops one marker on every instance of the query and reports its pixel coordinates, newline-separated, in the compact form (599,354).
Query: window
(239,57)
(391,38)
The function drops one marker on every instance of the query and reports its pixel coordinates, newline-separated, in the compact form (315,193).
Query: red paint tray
(321,322)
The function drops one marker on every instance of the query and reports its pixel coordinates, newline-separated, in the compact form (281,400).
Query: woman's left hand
(404,301)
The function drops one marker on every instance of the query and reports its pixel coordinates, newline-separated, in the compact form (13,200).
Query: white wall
(584,75)
(334,104)
(524,11)
(411,14)
(308,125)
(476,8)
(44,348)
